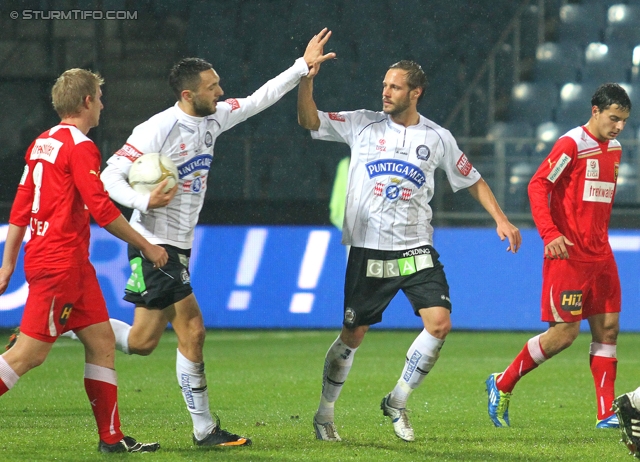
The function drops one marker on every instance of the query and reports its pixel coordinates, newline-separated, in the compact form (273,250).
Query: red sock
(603,362)
(3,388)
(527,360)
(102,390)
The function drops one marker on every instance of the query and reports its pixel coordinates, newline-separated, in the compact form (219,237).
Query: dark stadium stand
(250,41)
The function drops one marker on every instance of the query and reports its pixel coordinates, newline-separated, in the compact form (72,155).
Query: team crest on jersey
(423,152)
(194,186)
(593,169)
(406,194)
(616,167)
(208,139)
(66,312)
(392,192)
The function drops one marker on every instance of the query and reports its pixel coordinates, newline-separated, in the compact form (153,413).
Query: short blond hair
(71,88)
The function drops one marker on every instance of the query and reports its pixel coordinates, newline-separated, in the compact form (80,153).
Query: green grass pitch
(266,385)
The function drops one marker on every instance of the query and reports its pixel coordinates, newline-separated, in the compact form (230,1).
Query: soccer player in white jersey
(186,133)
(394,154)
(571,197)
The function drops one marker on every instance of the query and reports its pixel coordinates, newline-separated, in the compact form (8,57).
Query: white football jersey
(189,142)
(391,176)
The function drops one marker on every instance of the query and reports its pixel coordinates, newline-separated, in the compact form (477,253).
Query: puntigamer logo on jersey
(202,162)
(396,167)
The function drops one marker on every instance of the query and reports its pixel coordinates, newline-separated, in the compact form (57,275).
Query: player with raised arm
(59,189)
(186,133)
(394,155)
(571,197)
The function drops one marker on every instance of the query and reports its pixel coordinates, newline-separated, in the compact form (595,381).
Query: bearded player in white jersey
(186,133)
(394,154)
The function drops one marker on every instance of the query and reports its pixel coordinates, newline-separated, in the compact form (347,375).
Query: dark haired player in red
(59,188)
(571,198)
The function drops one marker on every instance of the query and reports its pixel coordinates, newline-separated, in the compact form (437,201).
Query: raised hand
(314,54)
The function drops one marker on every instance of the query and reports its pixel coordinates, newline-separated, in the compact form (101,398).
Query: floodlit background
(506,77)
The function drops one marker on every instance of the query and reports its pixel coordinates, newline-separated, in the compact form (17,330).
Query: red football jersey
(60,186)
(572,193)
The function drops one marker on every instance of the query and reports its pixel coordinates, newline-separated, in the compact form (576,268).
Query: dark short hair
(608,94)
(416,77)
(186,75)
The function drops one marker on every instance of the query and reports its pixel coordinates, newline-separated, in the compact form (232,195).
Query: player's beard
(203,108)
(398,107)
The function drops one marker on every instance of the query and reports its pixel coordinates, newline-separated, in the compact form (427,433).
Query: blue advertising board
(292,277)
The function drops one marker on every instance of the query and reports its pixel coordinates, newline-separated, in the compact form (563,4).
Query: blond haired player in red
(60,188)
(571,198)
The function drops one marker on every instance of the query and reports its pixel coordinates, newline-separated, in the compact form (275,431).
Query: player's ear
(186,95)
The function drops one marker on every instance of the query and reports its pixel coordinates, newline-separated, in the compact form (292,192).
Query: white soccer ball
(149,170)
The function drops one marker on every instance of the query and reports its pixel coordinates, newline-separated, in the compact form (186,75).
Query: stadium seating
(580,24)
(557,62)
(627,184)
(623,24)
(606,63)
(635,64)
(546,135)
(517,199)
(532,102)
(575,103)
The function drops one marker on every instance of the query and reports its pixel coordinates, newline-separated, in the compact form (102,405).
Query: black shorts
(157,288)
(375,276)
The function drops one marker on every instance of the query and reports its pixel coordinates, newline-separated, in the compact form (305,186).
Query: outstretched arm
(483,194)
(307,109)
(313,56)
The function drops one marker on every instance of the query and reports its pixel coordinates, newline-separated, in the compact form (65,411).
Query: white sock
(7,374)
(121,330)
(422,355)
(193,383)
(337,365)
(635,398)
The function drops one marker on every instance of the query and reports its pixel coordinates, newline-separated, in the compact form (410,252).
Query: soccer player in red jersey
(571,197)
(59,190)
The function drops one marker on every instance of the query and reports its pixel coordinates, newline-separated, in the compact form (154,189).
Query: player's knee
(197,333)
(440,330)
(143,348)
(568,338)
(35,360)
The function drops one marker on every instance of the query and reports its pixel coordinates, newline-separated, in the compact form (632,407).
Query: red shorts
(575,290)
(62,299)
